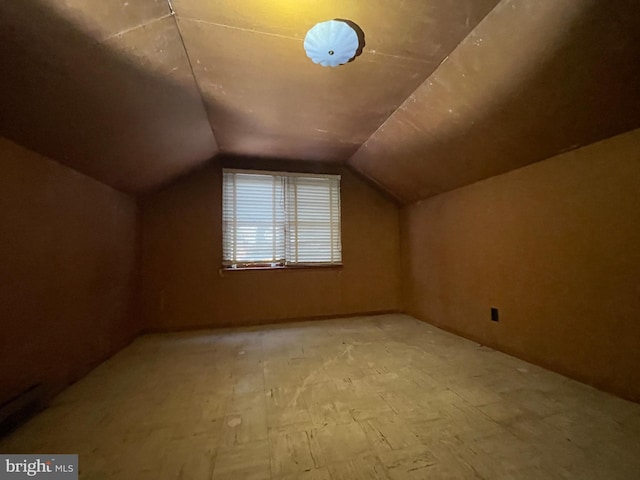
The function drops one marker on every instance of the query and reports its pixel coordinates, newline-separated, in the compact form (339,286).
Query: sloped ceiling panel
(103,87)
(532,80)
(109,88)
(264,97)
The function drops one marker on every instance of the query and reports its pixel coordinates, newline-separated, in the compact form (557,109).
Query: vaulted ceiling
(446,92)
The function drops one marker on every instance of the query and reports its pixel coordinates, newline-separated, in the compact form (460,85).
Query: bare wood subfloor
(384,397)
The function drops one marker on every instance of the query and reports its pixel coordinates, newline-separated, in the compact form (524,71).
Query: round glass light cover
(331,43)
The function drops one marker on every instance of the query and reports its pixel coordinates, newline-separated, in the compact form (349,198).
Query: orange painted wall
(67,272)
(182,253)
(555,246)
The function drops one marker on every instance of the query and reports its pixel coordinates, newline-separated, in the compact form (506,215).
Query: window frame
(282,266)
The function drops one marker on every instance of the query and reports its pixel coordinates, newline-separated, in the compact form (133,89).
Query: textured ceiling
(445,93)
(532,80)
(84,84)
(265,97)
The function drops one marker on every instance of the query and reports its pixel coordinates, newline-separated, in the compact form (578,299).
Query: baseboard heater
(19,408)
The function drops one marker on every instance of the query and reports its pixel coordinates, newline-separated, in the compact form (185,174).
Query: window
(280,219)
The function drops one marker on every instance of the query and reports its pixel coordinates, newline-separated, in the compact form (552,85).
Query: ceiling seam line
(424,81)
(240,28)
(401,57)
(195,81)
(277,35)
(376,184)
(128,30)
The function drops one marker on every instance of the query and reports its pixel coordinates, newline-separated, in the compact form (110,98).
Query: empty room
(320,240)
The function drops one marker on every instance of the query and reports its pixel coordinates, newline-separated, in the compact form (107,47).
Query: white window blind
(280,219)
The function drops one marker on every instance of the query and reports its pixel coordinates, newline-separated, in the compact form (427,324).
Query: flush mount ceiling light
(332,43)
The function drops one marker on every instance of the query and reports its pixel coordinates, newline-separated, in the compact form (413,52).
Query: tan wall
(67,258)
(182,245)
(555,246)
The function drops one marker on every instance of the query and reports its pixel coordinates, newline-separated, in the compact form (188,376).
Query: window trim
(284,266)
